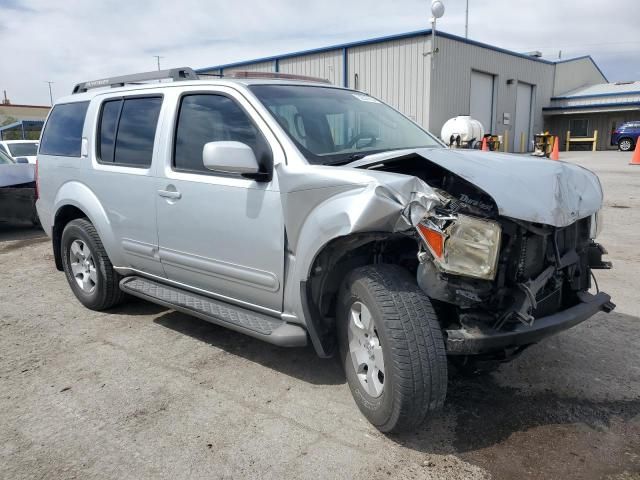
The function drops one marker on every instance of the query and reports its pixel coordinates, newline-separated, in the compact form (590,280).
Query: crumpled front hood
(524,187)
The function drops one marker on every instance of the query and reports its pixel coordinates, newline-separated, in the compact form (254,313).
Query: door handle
(172,194)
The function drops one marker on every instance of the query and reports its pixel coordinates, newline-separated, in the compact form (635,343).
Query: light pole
(158,57)
(50,92)
(437,11)
(466,21)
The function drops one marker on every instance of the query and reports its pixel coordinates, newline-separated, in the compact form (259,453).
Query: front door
(217,232)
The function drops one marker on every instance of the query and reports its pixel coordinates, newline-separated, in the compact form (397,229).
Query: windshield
(23,149)
(331,126)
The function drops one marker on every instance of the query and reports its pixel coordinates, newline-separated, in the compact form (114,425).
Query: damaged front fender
(321,204)
(333,200)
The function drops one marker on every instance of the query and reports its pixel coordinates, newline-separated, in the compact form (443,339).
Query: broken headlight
(462,245)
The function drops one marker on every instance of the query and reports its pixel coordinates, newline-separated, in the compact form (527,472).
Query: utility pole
(50,92)
(466,21)
(158,57)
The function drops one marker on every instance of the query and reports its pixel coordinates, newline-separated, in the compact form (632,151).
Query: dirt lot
(144,392)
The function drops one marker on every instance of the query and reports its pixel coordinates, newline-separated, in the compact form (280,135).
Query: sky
(69,41)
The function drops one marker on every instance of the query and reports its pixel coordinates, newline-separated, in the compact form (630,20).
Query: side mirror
(22,160)
(230,157)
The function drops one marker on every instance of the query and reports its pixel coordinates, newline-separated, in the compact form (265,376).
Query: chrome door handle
(172,194)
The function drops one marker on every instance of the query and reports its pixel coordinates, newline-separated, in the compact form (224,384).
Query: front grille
(529,251)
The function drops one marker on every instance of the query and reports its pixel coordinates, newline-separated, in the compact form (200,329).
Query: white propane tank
(465,127)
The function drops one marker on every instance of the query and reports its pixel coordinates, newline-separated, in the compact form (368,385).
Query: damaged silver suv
(294,211)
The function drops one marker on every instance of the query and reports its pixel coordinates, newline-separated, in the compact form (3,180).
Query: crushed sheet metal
(524,187)
(350,201)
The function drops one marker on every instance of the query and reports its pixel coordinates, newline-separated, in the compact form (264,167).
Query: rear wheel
(87,267)
(391,347)
(625,144)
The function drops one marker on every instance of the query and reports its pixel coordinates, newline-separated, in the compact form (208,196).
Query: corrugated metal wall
(251,67)
(327,65)
(451,79)
(398,72)
(395,71)
(575,74)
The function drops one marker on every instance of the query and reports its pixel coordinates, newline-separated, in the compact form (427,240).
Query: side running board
(258,325)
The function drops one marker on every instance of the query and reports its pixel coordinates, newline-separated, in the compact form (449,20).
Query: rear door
(122,175)
(220,233)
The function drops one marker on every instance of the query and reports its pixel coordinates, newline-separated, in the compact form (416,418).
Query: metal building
(507,91)
(601,108)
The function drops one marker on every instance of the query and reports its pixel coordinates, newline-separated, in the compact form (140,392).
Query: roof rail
(175,74)
(278,76)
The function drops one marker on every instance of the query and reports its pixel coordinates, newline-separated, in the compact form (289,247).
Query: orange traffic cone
(555,152)
(485,147)
(635,160)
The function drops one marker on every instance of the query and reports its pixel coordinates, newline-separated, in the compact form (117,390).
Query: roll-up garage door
(481,103)
(523,118)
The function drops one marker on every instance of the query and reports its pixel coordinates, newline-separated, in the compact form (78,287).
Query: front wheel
(391,347)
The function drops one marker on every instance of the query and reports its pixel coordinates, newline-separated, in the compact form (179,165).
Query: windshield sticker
(365,98)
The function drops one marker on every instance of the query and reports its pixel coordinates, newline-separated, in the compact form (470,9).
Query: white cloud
(76,40)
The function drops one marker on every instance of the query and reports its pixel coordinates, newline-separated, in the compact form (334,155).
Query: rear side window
(127,129)
(207,118)
(62,135)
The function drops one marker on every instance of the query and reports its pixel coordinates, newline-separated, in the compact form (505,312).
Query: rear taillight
(37,185)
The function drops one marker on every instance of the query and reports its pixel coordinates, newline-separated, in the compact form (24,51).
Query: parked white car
(20,148)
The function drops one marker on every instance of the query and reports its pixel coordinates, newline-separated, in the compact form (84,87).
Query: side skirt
(257,325)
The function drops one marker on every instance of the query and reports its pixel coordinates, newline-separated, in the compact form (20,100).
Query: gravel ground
(145,392)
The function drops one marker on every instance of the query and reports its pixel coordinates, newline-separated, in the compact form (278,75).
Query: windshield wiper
(345,160)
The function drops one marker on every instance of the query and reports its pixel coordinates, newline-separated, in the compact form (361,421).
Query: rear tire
(87,266)
(625,144)
(405,331)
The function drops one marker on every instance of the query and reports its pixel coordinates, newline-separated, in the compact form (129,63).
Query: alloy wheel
(83,266)
(365,349)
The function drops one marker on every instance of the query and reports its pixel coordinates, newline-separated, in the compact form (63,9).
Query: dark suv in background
(625,136)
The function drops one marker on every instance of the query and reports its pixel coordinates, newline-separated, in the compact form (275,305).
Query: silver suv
(294,211)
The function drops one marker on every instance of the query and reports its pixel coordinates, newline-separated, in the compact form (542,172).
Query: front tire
(391,347)
(87,267)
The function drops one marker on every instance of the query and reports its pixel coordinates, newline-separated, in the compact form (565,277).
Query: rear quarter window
(62,134)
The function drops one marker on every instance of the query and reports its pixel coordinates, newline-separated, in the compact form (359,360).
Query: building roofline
(582,58)
(595,105)
(23,106)
(597,95)
(400,36)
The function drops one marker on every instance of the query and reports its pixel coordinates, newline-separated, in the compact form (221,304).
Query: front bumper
(465,342)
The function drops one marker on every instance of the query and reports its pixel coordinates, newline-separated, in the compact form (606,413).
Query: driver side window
(205,118)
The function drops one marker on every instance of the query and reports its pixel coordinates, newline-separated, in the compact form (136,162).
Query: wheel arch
(75,200)
(330,265)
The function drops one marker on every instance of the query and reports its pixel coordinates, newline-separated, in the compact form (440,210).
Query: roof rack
(175,74)
(277,76)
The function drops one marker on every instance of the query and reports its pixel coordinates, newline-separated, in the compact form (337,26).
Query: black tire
(106,292)
(625,144)
(415,362)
